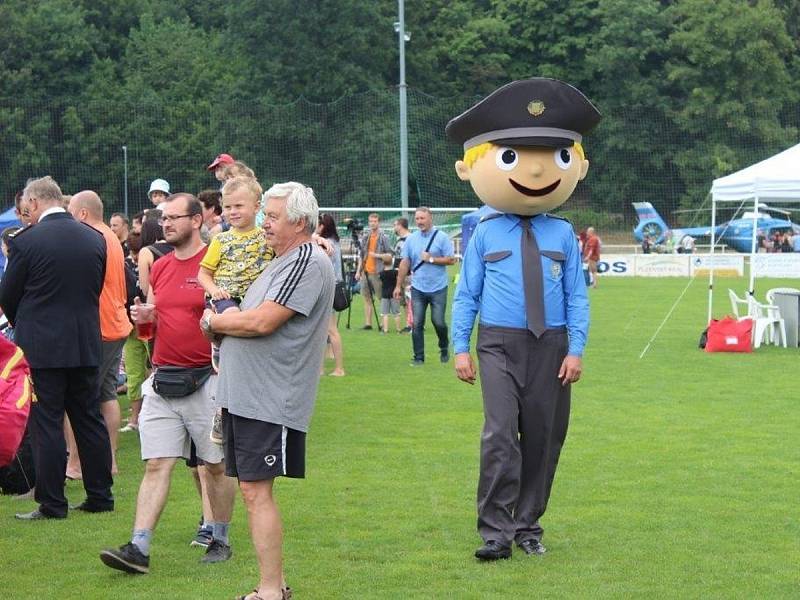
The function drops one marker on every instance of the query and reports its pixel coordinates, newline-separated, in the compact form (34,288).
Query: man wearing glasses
(174,413)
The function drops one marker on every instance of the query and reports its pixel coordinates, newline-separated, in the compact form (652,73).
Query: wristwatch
(430,260)
(205,323)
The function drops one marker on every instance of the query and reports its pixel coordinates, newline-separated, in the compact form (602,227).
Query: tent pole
(751,288)
(711,261)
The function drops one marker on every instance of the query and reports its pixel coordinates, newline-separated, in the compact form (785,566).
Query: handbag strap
(427,249)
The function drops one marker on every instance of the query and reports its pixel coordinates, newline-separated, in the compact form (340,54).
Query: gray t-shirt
(274,378)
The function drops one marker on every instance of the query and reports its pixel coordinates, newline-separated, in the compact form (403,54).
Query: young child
(235,258)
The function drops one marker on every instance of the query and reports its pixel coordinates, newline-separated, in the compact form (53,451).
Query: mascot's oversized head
(522,145)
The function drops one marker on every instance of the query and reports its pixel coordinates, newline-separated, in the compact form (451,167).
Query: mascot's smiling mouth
(531,192)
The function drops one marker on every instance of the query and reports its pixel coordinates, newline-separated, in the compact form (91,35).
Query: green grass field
(679,479)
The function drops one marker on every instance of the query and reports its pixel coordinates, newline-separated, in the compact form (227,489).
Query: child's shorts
(220,306)
(390,306)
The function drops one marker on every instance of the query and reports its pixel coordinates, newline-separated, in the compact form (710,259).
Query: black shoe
(444,356)
(493,550)
(405,330)
(217,552)
(36,515)
(416,363)
(367,327)
(128,558)
(532,547)
(88,507)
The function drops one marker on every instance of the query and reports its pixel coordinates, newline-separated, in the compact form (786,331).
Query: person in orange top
(375,254)
(115,326)
(591,253)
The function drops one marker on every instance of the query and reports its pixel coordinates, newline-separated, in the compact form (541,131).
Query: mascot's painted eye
(506,159)
(563,158)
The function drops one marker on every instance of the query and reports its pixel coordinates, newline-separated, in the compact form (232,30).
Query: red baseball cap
(222,159)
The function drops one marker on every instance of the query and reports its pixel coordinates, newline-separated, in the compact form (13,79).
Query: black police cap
(530,112)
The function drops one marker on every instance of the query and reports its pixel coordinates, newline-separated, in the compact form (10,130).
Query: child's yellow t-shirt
(237,259)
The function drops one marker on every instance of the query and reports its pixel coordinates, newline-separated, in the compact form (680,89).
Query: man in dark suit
(51,294)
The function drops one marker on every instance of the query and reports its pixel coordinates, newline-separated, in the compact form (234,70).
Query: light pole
(403,37)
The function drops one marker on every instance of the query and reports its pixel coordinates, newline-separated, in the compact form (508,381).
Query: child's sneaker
(216,428)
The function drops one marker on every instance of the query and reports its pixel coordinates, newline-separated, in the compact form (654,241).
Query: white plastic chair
(784,290)
(736,302)
(765,319)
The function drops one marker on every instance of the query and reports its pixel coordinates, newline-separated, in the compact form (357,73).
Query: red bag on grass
(730,335)
(16,395)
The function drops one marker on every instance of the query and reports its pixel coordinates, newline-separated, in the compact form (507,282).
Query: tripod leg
(372,301)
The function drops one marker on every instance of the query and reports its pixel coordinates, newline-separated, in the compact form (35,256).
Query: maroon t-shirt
(180,302)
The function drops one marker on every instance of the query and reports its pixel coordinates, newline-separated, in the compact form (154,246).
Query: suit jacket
(51,292)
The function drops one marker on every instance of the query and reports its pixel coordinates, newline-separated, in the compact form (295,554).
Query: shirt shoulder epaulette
(490,216)
(19,232)
(564,221)
(552,216)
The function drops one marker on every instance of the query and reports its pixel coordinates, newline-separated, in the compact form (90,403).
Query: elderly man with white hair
(267,402)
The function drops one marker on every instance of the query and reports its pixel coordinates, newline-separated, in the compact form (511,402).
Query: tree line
(306,89)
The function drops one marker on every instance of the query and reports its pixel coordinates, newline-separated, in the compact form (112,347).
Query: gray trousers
(526,413)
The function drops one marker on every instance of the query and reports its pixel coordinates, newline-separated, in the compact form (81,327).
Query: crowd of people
(221,305)
(778,241)
(172,306)
(183,298)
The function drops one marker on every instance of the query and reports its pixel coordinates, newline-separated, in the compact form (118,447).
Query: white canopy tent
(774,179)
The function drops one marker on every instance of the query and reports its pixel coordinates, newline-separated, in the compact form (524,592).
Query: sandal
(286,594)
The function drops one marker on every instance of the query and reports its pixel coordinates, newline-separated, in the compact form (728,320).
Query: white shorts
(168,426)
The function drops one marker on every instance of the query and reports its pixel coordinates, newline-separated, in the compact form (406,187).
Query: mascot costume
(523,273)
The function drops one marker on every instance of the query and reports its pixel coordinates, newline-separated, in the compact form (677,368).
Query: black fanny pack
(178,382)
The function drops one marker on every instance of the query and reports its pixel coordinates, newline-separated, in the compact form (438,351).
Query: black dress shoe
(88,507)
(36,515)
(532,547)
(493,550)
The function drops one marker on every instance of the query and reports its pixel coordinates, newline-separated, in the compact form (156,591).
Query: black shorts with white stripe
(256,450)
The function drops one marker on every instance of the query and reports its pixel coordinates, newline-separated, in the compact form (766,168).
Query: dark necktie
(532,279)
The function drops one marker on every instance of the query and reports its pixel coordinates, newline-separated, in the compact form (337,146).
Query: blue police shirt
(428,278)
(491,280)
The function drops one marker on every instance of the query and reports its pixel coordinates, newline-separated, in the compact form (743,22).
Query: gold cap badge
(536,107)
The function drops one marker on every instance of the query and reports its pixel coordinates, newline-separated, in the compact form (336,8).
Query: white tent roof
(776,178)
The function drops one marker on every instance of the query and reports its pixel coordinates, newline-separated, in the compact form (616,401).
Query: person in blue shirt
(425,255)
(522,274)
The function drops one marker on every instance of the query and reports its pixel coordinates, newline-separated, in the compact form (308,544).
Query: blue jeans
(419,304)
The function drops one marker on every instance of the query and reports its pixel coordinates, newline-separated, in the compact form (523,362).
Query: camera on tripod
(354,226)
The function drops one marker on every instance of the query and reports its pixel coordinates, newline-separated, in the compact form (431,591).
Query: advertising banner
(779,265)
(725,265)
(616,265)
(662,265)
